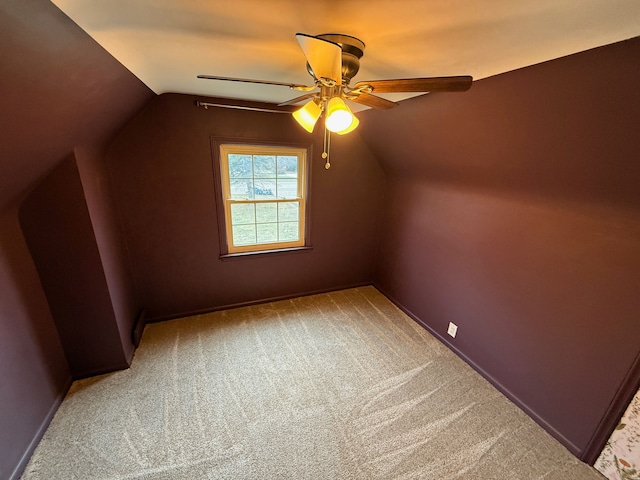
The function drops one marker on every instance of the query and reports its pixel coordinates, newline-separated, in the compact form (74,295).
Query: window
(264,194)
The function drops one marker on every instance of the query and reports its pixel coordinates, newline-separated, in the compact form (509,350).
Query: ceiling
(166,43)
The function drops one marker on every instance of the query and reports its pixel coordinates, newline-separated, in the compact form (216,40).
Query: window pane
(242,213)
(287,188)
(266,212)
(240,166)
(267,232)
(265,189)
(287,166)
(244,235)
(288,231)
(241,189)
(288,212)
(264,166)
(263,193)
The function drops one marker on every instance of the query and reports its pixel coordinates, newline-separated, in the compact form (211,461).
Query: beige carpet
(334,386)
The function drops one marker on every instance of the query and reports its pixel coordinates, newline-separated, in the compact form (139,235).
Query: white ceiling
(166,43)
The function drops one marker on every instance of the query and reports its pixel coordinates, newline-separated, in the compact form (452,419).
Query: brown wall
(161,166)
(513,210)
(33,370)
(107,230)
(61,92)
(57,227)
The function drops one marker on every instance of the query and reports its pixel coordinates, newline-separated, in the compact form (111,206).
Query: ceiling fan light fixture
(333,59)
(339,117)
(308,115)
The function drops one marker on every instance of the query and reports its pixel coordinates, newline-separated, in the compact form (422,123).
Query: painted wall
(34,375)
(57,227)
(513,210)
(61,92)
(161,166)
(105,223)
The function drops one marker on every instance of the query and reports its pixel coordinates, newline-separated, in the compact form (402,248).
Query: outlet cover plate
(452,330)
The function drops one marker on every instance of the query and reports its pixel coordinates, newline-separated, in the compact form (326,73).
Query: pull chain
(327,145)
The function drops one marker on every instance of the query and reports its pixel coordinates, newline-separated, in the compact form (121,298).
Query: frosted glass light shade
(351,127)
(339,117)
(308,115)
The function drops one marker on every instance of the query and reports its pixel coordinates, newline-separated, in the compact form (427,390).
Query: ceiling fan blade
(324,57)
(299,99)
(293,86)
(432,84)
(374,101)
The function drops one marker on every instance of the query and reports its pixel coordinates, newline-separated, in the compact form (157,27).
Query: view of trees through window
(264,198)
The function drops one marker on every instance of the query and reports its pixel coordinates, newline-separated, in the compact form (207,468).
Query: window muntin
(264,194)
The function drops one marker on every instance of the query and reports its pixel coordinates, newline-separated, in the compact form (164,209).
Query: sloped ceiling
(58,90)
(166,43)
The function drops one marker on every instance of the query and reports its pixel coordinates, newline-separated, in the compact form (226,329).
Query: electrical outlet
(452,330)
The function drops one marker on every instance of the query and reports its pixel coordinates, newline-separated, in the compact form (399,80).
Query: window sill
(280,251)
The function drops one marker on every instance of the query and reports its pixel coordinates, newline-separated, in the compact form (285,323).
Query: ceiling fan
(333,59)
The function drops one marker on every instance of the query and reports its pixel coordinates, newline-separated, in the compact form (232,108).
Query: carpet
(340,385)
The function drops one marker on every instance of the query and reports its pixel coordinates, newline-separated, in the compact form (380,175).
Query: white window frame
(226,149)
